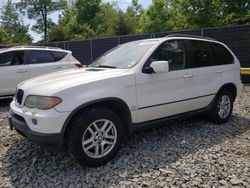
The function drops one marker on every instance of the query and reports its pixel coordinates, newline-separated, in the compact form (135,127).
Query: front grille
(19,96)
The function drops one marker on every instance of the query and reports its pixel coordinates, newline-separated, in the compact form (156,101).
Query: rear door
(66,60)
(207,77)
(13,70)
(42,62)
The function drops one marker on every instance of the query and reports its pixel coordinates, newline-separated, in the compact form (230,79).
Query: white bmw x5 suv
(23,62)
(135,85)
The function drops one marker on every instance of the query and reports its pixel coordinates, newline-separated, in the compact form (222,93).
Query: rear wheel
(222,108)
(95,136)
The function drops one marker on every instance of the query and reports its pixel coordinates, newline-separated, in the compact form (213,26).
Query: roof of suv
(190,36)
(180,36)
(26,47)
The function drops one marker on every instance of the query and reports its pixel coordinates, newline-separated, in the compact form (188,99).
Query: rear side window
(200,52)
(12,58)
(221,55)
(59,55)
(40,56)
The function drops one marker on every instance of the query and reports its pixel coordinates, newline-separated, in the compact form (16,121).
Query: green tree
(39,10)
(235,12)
(134,13)
(107,20)
(125,24)
(202,13)
(12,27)
(3,36)
(158,17)
(87,11)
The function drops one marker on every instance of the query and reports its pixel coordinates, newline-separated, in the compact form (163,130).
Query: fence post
(202,32)
(118,40)
(91,50)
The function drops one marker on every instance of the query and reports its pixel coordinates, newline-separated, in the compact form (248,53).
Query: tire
(219,114)
(87,132)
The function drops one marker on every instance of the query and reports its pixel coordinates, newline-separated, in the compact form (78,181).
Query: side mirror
(160,66)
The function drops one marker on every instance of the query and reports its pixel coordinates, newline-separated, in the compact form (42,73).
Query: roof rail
(42,47)
(191,36)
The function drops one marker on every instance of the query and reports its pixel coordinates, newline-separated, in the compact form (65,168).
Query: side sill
(159,122)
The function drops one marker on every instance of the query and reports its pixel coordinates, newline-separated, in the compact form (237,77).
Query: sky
(123,4)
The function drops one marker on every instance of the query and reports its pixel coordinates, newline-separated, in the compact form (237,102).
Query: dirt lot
(191,153)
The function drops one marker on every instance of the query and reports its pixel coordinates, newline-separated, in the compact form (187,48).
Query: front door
(165,94)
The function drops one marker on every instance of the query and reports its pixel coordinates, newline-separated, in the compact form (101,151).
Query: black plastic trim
(175,101)
(158,122)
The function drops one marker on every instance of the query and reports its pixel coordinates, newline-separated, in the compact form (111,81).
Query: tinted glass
(221,55)
(200,54)
(173,52)
(40,56)
(59,55)
(12,58)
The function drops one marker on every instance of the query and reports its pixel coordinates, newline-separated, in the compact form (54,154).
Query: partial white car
(23,62)
(136,85)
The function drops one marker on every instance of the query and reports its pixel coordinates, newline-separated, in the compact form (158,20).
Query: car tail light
(78,65)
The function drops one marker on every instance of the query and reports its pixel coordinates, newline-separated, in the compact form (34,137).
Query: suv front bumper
(54,140)
(51,121)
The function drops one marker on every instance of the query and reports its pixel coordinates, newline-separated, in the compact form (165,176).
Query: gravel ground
(191,153)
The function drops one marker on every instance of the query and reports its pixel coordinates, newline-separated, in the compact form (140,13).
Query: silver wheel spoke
(102,149)
(88,141)
(91,131)
(104,125)
(108,129)
(108,142)
(96,150)
(224,106)
(99,138)
(90,146)
(110,136)
(96,127)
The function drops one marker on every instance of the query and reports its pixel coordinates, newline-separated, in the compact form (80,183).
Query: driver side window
(172,51)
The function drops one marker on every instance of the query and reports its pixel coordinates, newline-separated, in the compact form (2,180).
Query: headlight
(41,102)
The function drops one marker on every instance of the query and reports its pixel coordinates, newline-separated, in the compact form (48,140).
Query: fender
(85,105)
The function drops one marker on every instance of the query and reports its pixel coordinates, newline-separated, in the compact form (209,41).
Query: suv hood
(54,82)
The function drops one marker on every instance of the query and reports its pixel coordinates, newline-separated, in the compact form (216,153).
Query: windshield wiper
(105,66)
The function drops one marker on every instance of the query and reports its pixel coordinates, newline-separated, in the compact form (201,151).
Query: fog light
(34,121)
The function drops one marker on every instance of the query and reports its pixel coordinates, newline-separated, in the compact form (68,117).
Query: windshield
(124,56)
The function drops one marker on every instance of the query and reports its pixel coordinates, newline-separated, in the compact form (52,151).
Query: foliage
(235,12)
(157,17)
(12,30)
(83,19)
(39,10)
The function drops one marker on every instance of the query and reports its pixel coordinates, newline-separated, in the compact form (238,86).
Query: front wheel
(95,136)
(222,108)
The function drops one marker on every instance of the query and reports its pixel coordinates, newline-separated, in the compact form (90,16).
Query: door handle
(22,71)
(56,67)
(219,71)
(187,76)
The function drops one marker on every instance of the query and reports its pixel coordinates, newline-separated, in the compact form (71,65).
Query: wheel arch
(231,87)
(115,104)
